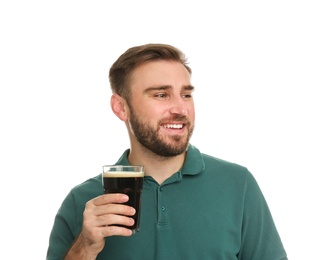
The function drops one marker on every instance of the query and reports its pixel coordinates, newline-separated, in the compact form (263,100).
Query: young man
(194,206)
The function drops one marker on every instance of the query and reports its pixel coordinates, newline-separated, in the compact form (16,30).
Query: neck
(158,167)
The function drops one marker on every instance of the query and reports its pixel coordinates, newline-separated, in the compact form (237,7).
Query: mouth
(173,126)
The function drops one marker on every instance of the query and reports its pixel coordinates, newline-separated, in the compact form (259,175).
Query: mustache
(176,118)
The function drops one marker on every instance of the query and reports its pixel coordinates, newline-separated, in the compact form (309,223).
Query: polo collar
(194,163)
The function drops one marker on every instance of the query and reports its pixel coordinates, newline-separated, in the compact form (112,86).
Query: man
(194,206)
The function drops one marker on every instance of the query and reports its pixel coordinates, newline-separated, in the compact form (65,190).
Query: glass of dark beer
(128,180)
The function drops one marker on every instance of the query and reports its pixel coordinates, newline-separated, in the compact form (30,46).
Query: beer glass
(128,180)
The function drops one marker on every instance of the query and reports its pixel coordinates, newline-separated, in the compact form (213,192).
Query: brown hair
(123,67)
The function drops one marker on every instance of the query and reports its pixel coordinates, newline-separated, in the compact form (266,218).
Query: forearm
(81,251)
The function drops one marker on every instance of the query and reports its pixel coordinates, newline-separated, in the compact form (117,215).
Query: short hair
(122,68)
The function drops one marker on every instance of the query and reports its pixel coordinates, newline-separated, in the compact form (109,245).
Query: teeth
(177,126)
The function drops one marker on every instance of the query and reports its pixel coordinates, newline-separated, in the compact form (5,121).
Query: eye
(160,95)
(187,96)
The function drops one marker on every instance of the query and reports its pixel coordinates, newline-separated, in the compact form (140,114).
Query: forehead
(155,73)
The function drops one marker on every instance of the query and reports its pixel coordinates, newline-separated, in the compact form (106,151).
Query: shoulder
(89,188)
(211,167)
(222,167)
(83,192)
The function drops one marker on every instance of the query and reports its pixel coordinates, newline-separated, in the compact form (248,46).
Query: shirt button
(163,208)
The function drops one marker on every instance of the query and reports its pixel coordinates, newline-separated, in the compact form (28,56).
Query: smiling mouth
(173,126)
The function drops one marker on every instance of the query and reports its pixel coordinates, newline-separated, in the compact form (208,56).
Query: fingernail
(125,197)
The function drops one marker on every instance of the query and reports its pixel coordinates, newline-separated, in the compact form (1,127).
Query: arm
(98,219)
(99,216)
(260,238)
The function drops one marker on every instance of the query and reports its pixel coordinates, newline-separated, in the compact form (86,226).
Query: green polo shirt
(210,209)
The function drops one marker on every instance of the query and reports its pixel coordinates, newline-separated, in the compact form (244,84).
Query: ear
(119,107)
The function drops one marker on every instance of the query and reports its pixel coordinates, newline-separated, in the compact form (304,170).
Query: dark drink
(128,182)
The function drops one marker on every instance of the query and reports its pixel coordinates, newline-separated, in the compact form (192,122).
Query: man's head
(152,93)
(122,68)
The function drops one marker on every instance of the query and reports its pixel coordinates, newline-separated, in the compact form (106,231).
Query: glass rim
(120,167)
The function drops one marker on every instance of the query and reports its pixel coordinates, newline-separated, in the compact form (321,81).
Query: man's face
(162,111)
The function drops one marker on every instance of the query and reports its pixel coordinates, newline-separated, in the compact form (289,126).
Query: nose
(178,106)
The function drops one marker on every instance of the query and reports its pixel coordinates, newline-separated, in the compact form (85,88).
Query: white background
(259,71)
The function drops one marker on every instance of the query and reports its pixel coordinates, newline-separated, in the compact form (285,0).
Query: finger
(110,198)
(116,231)
(112,220)
(119,209)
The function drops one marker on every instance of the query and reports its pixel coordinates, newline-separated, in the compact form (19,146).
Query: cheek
(193,116)
(151,111)
(191,112)
(149,115)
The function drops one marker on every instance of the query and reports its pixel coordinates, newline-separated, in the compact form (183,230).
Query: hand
(101,214)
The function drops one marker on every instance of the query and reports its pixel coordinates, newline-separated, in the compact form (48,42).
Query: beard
(166,146)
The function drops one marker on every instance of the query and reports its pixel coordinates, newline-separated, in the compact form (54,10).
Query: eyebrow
(165,87)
